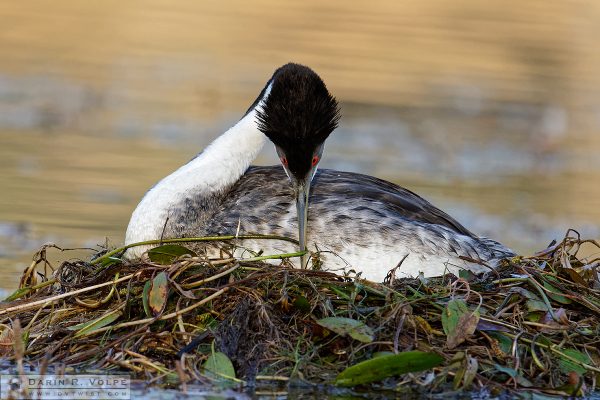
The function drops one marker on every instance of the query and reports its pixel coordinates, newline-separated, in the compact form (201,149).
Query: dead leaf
(459,322)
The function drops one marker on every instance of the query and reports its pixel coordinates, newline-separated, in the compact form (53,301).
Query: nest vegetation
(175,317)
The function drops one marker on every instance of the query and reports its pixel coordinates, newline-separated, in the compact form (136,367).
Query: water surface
(490,110)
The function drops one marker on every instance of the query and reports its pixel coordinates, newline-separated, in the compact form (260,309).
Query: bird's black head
(297,116)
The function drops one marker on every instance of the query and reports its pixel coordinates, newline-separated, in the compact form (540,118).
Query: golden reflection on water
(490,109)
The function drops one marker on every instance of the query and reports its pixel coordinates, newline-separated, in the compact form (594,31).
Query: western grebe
(354,221)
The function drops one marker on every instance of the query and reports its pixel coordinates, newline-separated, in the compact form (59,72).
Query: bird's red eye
(284,161)
(315,160)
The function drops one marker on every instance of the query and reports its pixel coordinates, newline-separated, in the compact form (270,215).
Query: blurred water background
(491,110)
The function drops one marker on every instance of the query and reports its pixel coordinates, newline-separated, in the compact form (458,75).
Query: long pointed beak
(301,187)
(301,191)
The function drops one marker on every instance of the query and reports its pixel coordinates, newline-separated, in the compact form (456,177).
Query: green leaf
(567,365)
(220,365)
(17,294)
(524,293)
(88,327)
(458,322)
(168,253)
(452,312)
(383,354)
(504,342)
(339,292)
(556,294)
(379,368)
(536,305)
(348,327)
(302,304)
(535,316)
(158,294)
(145,297)
(513,373)
(109,261)
(466,275)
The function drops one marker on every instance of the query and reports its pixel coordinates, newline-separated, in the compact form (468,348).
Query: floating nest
(176,318)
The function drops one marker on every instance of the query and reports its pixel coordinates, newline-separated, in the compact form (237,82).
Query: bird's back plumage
(356,221)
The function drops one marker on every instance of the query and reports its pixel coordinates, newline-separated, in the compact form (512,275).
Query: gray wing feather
(263,197)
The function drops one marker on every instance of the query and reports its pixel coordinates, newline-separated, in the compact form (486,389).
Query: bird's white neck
(214,170)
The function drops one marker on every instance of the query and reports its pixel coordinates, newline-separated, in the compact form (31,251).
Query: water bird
(346,220)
